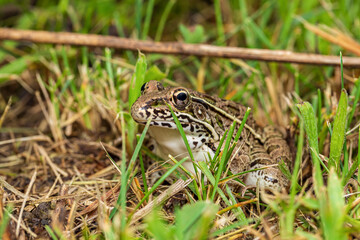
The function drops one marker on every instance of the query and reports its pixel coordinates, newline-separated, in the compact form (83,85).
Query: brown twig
(203,50)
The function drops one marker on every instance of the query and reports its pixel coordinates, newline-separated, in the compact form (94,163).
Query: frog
(205,120)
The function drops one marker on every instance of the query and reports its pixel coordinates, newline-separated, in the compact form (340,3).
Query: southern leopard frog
(205,119)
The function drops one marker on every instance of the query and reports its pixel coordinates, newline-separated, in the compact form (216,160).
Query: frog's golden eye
(181,98)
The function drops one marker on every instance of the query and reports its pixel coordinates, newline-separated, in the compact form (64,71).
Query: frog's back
(224,107)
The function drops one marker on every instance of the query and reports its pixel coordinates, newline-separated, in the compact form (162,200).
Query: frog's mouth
(195,127)
(142,114)
(162,117)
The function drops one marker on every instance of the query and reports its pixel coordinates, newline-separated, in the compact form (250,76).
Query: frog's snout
(137,112)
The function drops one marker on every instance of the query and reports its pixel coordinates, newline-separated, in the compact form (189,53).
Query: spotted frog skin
(205,119)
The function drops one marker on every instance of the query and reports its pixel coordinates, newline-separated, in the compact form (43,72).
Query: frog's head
(191,111)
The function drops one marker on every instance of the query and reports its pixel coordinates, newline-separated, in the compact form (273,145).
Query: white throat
(169,141)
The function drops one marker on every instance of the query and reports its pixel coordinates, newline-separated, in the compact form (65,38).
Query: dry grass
(65,130)
(67,180)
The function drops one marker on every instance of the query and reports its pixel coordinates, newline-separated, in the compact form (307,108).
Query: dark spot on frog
(191,128)
(166,125)
(157,111)
(253,163)
(184,125)
(272,180)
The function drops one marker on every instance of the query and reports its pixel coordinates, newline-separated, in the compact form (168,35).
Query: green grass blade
(186,171)
(338,133)
(126,173)
(51,232)
(194,220)
(298,158)
(137,79)
(358,156)
(122,197)
(156,225)
(351,172)
(63,6)
(342,71)
(249,35)
(308,116)
(345,169)
(154,73)
(205,170)
(16,66)
(183,135)
(219,24)
(138,15)
(356,100)
(239,212)
(110,72)
(5,219)
(158,182)
(137,148)
(163,19)
(284,169)
(319,109)
(120,30)
(147,20)
(243,121)
(287,27)
(223,159)
(237,136)
(260,34)
(332,209)
(287,222)
(218,149)
(143,173)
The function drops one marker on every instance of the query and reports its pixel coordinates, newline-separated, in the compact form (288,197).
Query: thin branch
(203,50)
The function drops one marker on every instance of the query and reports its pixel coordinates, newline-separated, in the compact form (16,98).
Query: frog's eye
(181,98)
(143,87)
